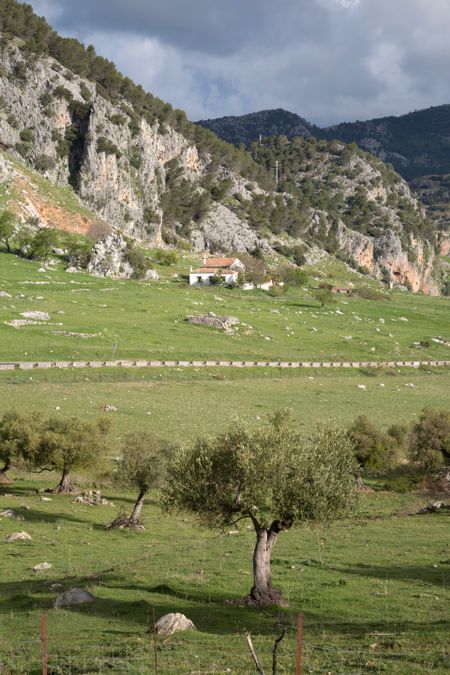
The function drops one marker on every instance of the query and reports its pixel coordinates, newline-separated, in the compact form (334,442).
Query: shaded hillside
(248,128)
(416,144)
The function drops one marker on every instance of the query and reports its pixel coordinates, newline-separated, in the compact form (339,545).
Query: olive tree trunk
(262,592)
(4,478)
(136,513)
(65,485)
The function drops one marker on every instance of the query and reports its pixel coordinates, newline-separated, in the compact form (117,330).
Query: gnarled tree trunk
(262,592)
(65,485)
(132,522)
(4,478)
(135,516)
(359,480)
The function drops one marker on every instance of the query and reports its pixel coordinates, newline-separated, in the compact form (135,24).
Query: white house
(226,268)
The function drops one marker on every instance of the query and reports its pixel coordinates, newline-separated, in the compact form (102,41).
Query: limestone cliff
(158,185)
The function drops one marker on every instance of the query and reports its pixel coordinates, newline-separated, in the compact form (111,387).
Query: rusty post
(298,663)
(44,644)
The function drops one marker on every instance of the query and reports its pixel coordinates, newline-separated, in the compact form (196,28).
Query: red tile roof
(219,262)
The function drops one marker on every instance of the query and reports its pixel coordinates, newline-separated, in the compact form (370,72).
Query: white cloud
(328,60)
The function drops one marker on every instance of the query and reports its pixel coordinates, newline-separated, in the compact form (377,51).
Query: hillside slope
(142,167)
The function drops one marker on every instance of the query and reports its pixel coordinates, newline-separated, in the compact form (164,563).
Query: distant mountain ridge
(416,144)
(248,128)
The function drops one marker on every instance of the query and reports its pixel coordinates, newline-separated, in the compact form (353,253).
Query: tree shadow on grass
(17,490)
(439,576)
(35,516)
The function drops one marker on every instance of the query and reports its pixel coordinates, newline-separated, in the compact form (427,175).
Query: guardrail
(140,363)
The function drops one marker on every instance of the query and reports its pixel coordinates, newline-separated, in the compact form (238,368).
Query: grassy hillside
(147,320)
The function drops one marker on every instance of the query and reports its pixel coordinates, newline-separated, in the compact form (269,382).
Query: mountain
(248,128)
(137,164)
(416,144)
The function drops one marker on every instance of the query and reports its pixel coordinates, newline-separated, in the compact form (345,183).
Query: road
(139,363)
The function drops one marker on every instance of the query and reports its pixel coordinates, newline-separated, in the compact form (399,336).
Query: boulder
(42,566)
(17,536)
(223,322)
(171,623)
(75,596)
(9,513)
(151,275)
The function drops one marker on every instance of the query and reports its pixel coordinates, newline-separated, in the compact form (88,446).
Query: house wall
(194,279)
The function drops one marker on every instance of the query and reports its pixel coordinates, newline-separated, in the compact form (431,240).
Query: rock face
(222,322)
(171,623)
(76,596)
(109,258)
(154,183)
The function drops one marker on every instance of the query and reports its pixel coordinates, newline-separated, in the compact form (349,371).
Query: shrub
(12,121)
(46,99)
(166,257)
(85,92)
(62,92)
(118,119)
(429,442)
(44,163)
(138,262)
(27,136)
(108,147)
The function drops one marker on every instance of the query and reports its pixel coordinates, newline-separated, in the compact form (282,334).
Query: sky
(327,60)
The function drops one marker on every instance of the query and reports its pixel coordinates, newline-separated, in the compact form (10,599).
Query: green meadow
(132,319)
(373,589)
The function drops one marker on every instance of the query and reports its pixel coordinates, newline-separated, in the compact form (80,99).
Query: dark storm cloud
(328,60)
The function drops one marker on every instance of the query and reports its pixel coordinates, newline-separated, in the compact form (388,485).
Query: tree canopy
(275,476)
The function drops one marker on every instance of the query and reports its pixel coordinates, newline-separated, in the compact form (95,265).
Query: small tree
(274,476)
(7,228)
(67,444)
(374,450)
(429,441)
(143,467)
(324,296)
(19,436)
(43,242)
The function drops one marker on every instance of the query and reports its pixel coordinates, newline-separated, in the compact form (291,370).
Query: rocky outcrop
(222,230)
(109,258)
(172,623)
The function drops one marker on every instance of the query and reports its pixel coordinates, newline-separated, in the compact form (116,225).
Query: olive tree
(375,450)
(7,228)
(19,435)
(142,467)
(429,441)
(275,476)
(66,444)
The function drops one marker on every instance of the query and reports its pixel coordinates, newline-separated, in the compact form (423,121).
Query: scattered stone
(42,566)
(434,507)
(39,316)
(68,333)
(55,587)
(4,294)
(9,513)
(109,408)
(91,497)
(75,596)
(233,533)
(362,386)
(46,499)
(171,623)
(17,536)
(72,269)
(225,323)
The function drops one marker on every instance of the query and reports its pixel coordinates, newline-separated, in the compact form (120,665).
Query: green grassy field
(373,590)
(148,320)
(186,403)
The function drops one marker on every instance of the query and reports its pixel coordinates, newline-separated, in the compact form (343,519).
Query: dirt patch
(32,205)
